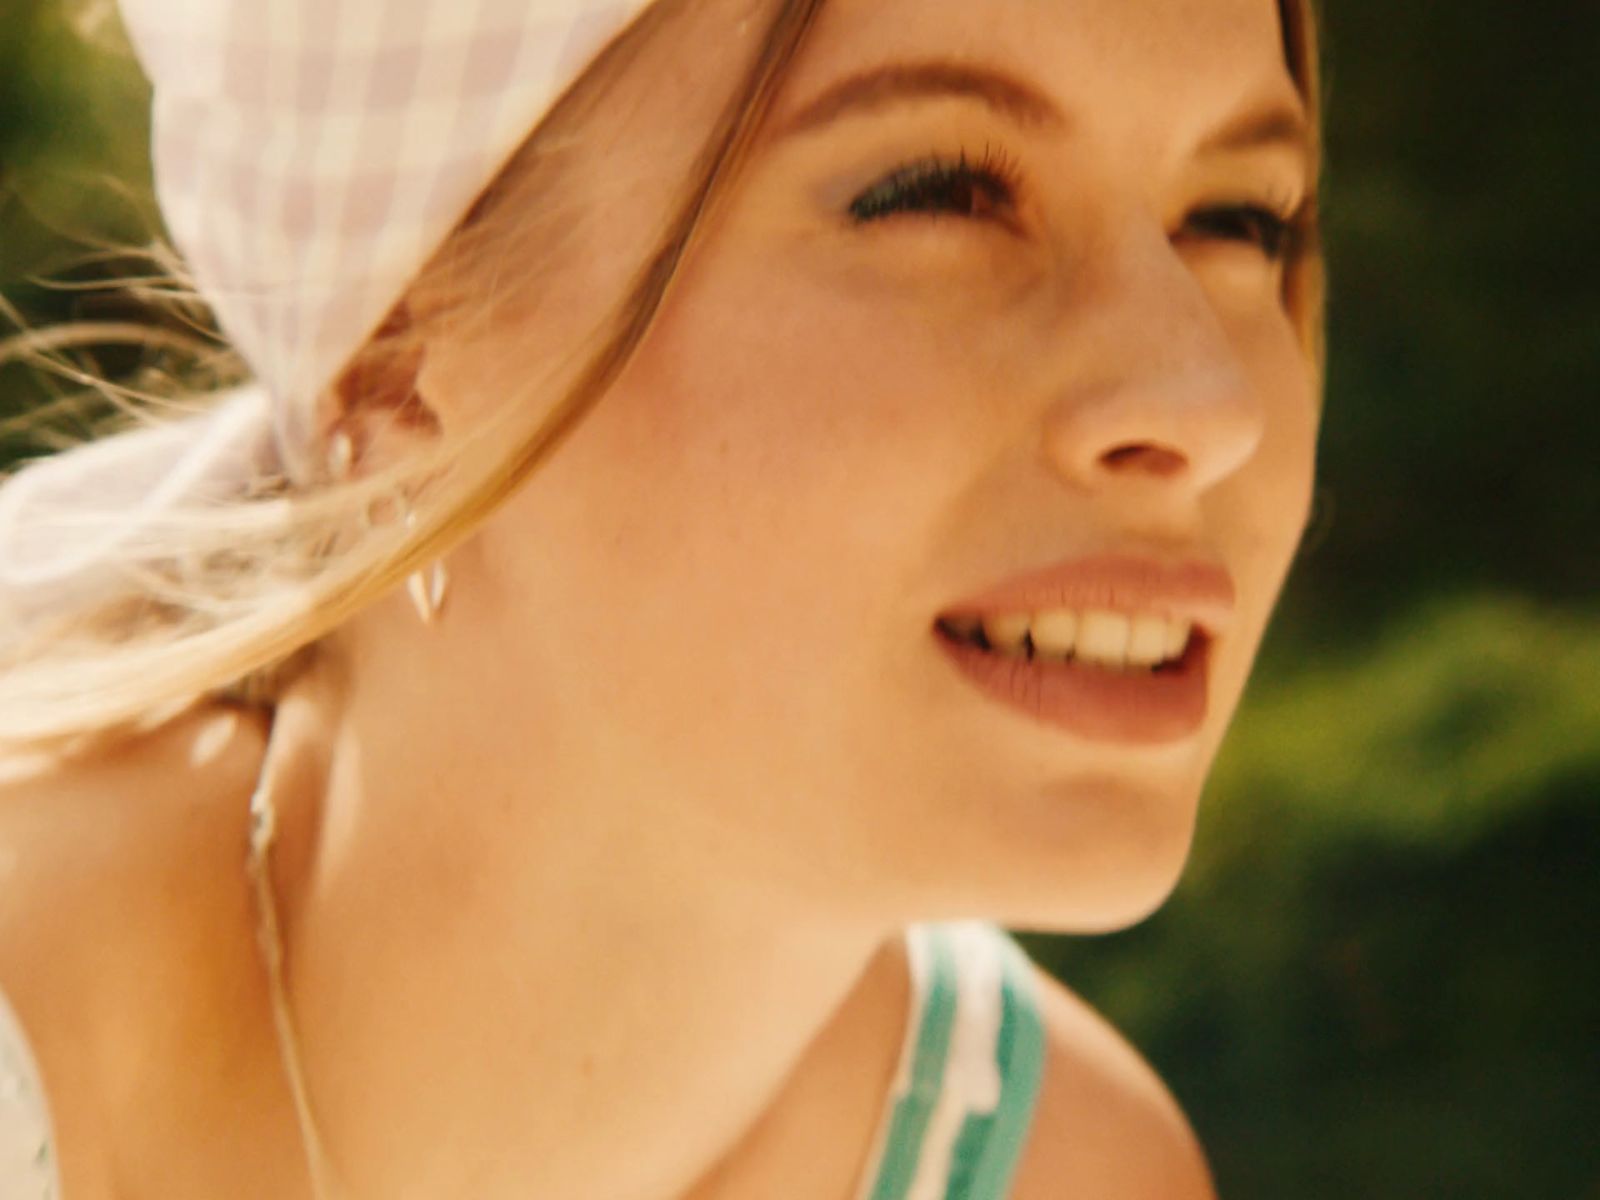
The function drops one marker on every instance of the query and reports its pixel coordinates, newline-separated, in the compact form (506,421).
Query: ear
(375,402)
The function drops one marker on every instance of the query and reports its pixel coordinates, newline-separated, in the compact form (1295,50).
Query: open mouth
(1095,639)
(1104,676)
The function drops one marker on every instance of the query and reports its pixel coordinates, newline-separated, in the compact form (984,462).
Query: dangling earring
(426,587)
(341,454)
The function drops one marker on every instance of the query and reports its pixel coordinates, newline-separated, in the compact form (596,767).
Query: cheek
(797,421)
(1262,510)
(731,528)
(1290,388)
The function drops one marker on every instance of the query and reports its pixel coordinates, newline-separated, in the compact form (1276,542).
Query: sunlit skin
(609,842)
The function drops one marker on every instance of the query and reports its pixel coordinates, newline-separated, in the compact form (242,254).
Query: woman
(630,794)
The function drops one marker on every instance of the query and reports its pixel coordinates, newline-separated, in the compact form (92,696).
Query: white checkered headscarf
(311,154)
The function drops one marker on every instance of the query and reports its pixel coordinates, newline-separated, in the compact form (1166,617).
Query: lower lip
(1100,704)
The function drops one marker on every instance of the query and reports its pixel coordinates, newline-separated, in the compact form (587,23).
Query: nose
(1157,390)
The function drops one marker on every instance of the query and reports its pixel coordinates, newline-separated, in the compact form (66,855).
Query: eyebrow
(897,83)
(886,86)
(1280,125)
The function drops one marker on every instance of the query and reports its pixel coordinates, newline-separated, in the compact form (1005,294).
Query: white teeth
(1005,633)
(1055,633)
(1147,641)
(1108,639)
(1103,638)
(1177,637)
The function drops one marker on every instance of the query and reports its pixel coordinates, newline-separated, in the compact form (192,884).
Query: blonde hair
(225,594)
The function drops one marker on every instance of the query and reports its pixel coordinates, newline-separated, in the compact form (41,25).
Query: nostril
(1146,458)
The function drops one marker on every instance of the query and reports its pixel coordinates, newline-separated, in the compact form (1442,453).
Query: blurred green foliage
(74,119)
(1377,977)
(1465,315)
(74,193)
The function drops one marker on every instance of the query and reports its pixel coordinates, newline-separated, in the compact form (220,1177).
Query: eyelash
(936,186)
(1275,234)
(960,188)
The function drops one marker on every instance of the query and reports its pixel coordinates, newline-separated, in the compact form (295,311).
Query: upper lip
(1195,590)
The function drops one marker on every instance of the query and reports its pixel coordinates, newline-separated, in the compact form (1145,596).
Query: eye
(1249,223)
(936,186)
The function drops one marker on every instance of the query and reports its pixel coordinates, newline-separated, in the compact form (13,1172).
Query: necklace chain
(263,832)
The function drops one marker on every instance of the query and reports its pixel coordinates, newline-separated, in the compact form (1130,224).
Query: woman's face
(869,400)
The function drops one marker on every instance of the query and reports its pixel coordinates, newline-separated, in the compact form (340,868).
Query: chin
(1133,898)
(1109,857)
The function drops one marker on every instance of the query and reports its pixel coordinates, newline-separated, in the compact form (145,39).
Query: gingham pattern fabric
(311,154)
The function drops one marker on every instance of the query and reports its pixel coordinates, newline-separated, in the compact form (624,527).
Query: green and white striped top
(955,1122)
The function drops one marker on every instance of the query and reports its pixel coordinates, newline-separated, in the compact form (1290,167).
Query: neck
(514,981)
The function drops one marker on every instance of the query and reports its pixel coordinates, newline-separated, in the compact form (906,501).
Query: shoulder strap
(27,1156)
(970,1070)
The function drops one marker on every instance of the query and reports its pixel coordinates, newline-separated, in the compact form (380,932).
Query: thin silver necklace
(263,832)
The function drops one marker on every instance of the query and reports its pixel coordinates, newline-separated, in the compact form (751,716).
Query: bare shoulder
(105,830)
(1106,1127)
(119,912)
